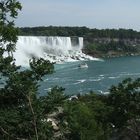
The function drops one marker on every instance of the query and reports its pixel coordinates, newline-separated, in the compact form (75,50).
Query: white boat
(84,65)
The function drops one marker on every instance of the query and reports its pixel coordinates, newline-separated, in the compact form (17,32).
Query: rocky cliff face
(111,47)
(108,40)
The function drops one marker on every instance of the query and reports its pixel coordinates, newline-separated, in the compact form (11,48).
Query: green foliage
(98,105)
(125,99)
(20,108)
(111,48)
(53,100)
(54,31)
(81,122)
(89,34)
(8,8)
(40,68)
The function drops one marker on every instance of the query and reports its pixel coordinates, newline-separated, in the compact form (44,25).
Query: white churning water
(56,49)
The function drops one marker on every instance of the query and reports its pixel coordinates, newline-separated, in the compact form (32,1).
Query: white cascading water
(55,49)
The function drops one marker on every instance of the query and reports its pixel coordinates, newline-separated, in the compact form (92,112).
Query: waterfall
(55,49)
(81,42)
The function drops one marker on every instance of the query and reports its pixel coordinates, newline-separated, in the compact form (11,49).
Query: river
(98,77)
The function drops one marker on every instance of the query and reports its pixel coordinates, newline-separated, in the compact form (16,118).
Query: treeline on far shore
(80,31)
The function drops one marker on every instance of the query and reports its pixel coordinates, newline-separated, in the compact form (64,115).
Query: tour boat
(84,65)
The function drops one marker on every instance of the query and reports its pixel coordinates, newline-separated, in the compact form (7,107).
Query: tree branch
(6,133)
(34,118)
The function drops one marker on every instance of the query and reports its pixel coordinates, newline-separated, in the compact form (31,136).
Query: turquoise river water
(98,77)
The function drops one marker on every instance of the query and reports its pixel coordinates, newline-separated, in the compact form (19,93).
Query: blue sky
(91,13)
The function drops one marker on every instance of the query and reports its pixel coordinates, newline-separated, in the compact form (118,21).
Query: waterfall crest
(55,49)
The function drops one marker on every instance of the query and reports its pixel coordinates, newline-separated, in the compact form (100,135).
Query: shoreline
(113,55)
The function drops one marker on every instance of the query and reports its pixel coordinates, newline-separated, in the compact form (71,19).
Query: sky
(99,14)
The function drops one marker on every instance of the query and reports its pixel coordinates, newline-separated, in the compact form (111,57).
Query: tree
(97,104)
(79,122)
(125,101)
(23,113)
